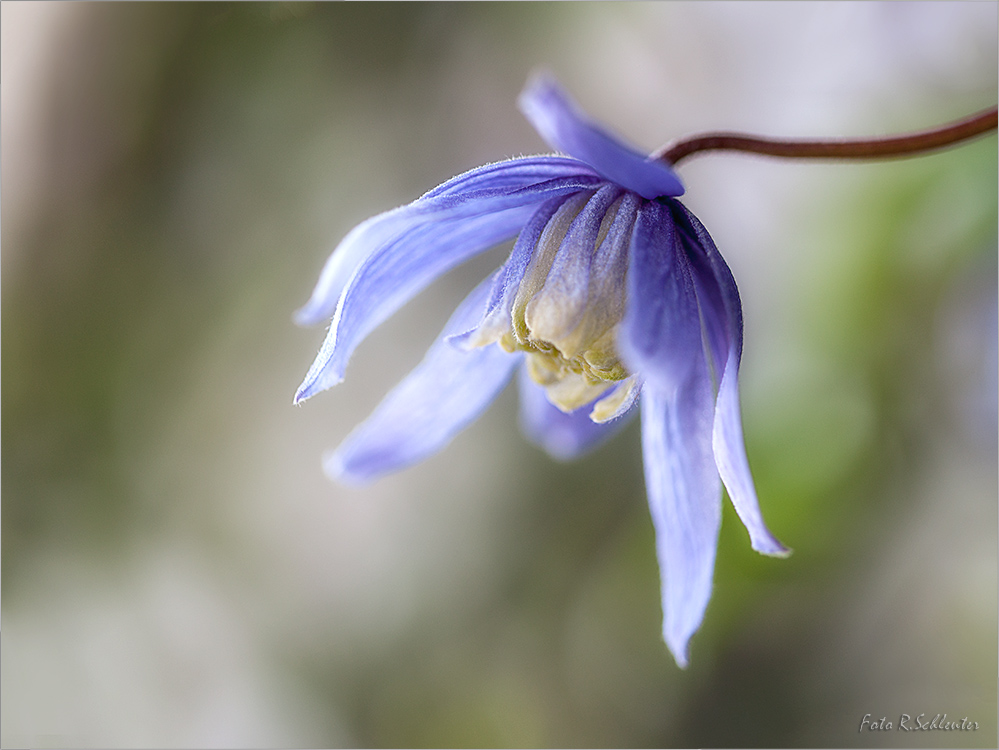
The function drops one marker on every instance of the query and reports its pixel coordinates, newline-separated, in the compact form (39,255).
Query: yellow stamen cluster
(567,311)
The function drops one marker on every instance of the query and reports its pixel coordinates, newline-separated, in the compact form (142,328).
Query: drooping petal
(660,336)
(564,126)
(445,393)
(396,270)
(660,339)
(684,500)
(510,175)
(721,310)
(563,436)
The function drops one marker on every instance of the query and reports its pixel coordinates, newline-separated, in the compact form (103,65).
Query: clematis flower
(613,297)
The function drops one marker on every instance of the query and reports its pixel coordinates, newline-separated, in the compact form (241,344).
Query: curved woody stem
(859,148)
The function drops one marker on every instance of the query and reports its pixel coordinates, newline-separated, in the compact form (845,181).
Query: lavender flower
(614,293)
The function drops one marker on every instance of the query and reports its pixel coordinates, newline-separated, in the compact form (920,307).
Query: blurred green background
(178,572)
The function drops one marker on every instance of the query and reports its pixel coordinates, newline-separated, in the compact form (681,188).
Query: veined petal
(396,270)
(564,126)
(721,310)
(562,436)
(507,176)
(444,394)
(513,174)
(660,336)
(353,248)
(684,500)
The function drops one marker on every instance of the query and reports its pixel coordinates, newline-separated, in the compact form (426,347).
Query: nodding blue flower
(613,295)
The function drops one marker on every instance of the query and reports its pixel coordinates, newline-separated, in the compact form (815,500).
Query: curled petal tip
(772,548)
(680,651)
(336,468)
(312,386)
(304,316)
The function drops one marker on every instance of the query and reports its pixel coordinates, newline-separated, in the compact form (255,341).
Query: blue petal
(563,436)
(684,500)
(444,394)
(660,336)
(511,175)
(660,339)
(721,310)
(563,125)
(396,270)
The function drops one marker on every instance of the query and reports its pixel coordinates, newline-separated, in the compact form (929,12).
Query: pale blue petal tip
(677,636)
(304,316)
(336,468)
(680,652)
(772,548)
(333,466)
(302,394)
(314,384)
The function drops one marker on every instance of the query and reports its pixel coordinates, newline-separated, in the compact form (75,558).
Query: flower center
(570,302)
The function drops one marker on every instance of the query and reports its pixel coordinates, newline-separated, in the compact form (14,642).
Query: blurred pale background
(178,572)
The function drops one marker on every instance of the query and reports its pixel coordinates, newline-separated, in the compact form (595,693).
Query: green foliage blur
(176,571)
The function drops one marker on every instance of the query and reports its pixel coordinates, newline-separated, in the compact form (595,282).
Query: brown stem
(860,148)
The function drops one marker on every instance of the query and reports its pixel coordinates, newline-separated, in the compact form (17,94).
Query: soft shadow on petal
(660,336)
(721,310)
(684,500)
(564,126)
(446,392)
(563,436)
(507,176)
(392,273)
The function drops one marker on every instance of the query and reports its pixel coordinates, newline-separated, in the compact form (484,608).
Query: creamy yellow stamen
(567,310)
